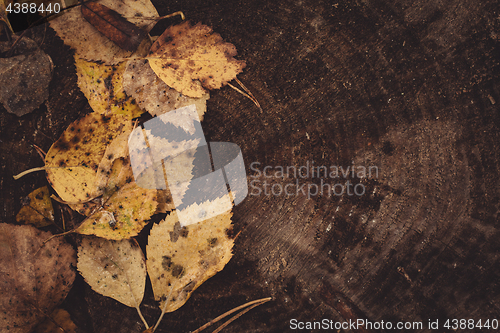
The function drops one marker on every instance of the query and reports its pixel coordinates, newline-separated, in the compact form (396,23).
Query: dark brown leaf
(114,26)
(24,77)
(33,280)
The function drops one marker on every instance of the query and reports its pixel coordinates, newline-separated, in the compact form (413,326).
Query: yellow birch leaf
(59,318)
(102,85)
(36,277)
(118,148)
(153,95)
(180,259)
(72,161)
(123,209)
(39,210)
(188,58)
(115,269)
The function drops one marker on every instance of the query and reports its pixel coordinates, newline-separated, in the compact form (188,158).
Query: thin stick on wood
(40,151)
(213,321)
(181,14)
(248,94)
(221,327)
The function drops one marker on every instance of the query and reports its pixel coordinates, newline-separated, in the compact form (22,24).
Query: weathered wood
(410,88)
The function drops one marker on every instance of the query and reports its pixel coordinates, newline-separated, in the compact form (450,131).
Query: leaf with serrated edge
(180,259)
(184,54)
(72,161)
(76,32)
(153,95)
(35,277)
(114,269)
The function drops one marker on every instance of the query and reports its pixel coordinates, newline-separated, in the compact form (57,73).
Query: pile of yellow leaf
(89,165)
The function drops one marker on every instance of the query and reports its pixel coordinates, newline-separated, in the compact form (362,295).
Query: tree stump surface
(412,89)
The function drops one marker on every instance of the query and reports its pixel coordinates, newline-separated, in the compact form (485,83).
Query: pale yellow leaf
(114,269)
(180,259)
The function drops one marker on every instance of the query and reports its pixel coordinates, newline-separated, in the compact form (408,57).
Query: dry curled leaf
(24,77)
(90,44)
(72,161)
(38,209)
(152,94)
(115,269)
(102,85)
(34,280)
(180,259)
(188,58)
(112,25)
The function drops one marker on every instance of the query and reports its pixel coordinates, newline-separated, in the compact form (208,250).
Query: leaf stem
(164,307)
(24,173)
(29,171)
(53,236)
(142,318)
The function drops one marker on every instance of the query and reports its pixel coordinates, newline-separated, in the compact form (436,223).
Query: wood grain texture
(410,88)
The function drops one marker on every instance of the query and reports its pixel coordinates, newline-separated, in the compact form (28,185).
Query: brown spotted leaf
(152,94)
(188,58)
(115,269)
(180,259)
(102,85)
(35,279)
(122,210)
(24,77)
(72,161)
(38,209)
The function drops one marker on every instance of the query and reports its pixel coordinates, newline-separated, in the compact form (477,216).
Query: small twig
(181,14)
(40,151)
(57,235)
(213,321)
(221,327)
(248,94)
(62,218)
(53,236)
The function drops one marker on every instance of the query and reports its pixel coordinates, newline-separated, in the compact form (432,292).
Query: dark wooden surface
(411,87)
